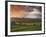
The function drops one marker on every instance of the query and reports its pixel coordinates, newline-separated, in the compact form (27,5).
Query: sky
(25,11)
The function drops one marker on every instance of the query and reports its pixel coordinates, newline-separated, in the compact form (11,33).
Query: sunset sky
(21,11)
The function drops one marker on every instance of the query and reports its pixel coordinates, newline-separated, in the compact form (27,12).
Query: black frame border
(6,18)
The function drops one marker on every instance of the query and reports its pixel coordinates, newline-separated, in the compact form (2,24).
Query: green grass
(21,26)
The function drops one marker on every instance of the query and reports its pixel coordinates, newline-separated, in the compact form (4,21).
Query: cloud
(34,14)
(21,11)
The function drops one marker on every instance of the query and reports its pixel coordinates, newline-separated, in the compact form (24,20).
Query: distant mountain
(25,20)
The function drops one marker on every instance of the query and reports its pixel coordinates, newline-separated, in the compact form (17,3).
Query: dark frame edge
(26,2)
(6,32)
(6,18)
(44,18)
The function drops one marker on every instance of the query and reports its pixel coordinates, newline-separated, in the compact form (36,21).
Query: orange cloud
(17,11)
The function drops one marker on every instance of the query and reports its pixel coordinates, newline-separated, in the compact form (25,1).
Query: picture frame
(7,19)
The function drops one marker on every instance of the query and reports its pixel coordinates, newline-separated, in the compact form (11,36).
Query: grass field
(18,25)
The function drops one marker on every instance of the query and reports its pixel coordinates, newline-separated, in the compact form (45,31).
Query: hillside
(25,24)
(25,20)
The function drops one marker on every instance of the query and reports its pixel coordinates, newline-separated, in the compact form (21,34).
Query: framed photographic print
(24,18)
